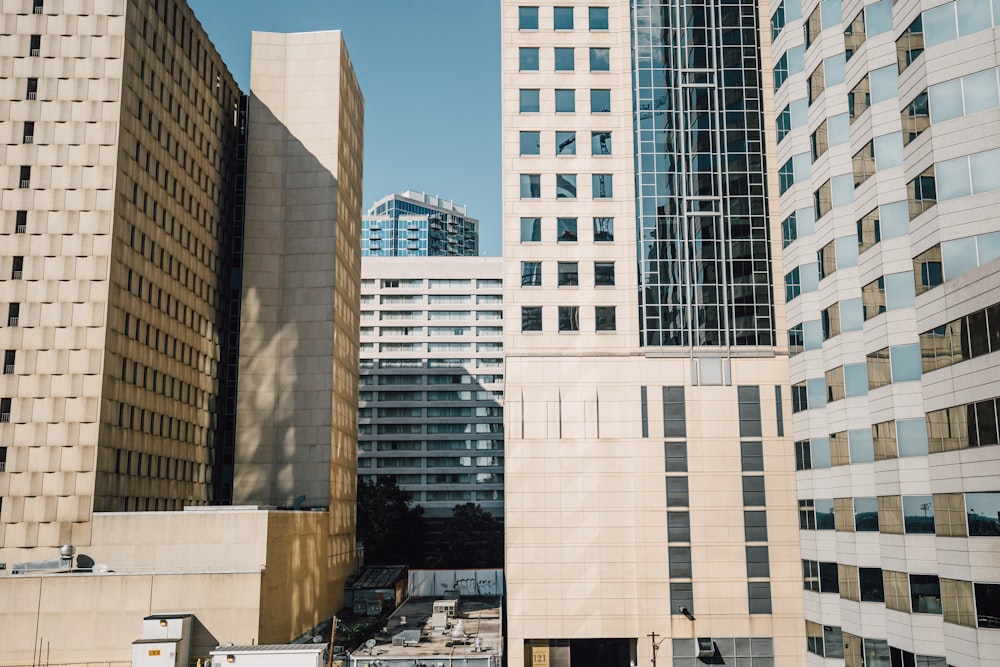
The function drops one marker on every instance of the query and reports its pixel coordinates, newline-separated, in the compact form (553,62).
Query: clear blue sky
(430,74)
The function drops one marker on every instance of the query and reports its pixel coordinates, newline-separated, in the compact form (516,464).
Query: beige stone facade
(648,488)
(247,575)
(117,202)
(297,396)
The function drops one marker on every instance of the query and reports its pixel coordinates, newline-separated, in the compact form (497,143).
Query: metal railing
(4,417)
(25,184)
(35,52)
(29,138)
(20,229)
(8,369)
(12,321)
(32,95)
(16,275)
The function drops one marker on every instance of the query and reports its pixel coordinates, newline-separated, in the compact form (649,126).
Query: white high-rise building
(431,395)
(888,128)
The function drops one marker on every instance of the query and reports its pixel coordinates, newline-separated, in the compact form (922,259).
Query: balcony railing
(35,52)
(32,95)
(20,229)
(12,321)
(16,275)
(4,417)
(8,369)
(25,184)
(29,139)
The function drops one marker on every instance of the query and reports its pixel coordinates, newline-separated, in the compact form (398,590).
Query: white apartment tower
(650,489)
(431,395)
(888,128)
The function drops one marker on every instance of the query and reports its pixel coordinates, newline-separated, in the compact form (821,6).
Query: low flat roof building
(417,636)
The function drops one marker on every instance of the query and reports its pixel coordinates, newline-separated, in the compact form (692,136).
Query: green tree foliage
(471,538)
(389,529)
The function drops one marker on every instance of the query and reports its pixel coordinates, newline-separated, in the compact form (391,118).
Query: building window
(598,18)
(566,230)
(38,6)
(17,268)
(916,117)
(604,230)
(863,163)
(819,141)
(674,413)
(753,491)
(21,222)
(604,317)
(562,18)
(565,101)
(816,82)
(529,100)
(531,274)
(679,562)
(777,21)
(531,186)
(925,594)
(854,35)
(681,598)
(812,26)
(8,362)
(569,318)
(823,200)
(531,143)
(859,99)
(531,230)
(13,314)
(928,270)
(25,180)
(759,595)
(568,274)
(29,133)
(604,274)
(5,410)
(600,100)
(565,186)
(35,45)
(786,175)
(528,59)
(531,318)
(780,71)
(527,18)
(677,492)
(600,59)
(564,59)
(600,143)
(988,605)
(565,143)
(910,44)
(918,515)
(601,184)
(32,92)
(755,525)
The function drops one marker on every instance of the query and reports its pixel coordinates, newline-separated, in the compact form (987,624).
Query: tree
(390,530)
(471,538)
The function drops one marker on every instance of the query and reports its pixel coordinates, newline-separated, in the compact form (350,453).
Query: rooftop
(480,618)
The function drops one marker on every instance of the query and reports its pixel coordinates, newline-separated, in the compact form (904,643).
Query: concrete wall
(247,577)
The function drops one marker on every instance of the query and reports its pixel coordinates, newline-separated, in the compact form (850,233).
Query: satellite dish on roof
(370,644)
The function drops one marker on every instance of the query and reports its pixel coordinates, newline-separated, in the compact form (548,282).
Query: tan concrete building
(649,484)
(246,575)
(121,237)
(117,200)
(298,380)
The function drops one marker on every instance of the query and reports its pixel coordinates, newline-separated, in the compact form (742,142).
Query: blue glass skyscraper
(414,224)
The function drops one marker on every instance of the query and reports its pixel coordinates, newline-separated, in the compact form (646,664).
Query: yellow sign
(540,656)
(154,651)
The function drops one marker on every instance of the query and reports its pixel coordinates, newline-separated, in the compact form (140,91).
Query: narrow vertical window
(35,46)
(29,133)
